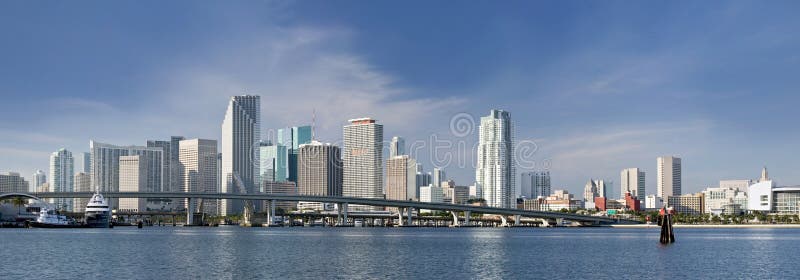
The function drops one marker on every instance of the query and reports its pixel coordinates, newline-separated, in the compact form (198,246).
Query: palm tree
(19,202)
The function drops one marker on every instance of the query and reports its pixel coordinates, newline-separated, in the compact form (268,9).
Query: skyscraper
(632,180)
(362,159)
(291,138)
(319,169)
(39,178)
(241,134)
(397,147)
(197,162)
(62,168)
(319,172)
(83,183)
(535,184)
(133,173)
(274,163)
(170,171)
(495,173)
(87,162)
(105,166)
(401,178)
(669,176)
(438,177)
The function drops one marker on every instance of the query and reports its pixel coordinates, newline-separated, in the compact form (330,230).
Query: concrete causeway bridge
(343,202)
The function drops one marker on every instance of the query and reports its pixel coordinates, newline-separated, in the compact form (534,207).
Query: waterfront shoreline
(711,226)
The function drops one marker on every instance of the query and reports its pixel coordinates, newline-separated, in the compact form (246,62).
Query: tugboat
(48,218)
(97,212)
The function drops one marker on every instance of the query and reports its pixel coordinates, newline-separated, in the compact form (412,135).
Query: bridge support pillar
(400,216)
(455,218)
(341,217)
(504,220)
(410,211)
(467,215)
(517,219)
(189,212)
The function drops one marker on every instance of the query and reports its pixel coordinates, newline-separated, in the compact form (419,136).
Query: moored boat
(97,213)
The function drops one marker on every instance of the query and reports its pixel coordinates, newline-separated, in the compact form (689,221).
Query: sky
(592,87)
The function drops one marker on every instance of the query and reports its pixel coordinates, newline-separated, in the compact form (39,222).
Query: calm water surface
(397,253)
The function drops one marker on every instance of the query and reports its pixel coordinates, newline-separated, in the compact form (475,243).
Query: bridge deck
(333,199)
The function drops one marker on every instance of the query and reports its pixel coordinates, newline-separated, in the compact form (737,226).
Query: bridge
(343,203)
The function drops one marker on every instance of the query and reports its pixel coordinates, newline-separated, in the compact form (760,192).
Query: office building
(170,169)
(559,200)
(438,176)
(274,163)
(62,170)
(83,183)
(716,199)
(397,147)
(691,204)
(632,180)
(292,138)
(87,162)
(401,178)
(133,173)
(197,170)
(653,202)
(319,171)
(39,178)
(431,194)
(496,173)
(668,179)
(241,133)
(423,179)
(362,158)
(535,184)
(105,166)
(12,182)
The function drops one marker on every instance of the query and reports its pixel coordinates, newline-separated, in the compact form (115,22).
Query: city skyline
(313,59)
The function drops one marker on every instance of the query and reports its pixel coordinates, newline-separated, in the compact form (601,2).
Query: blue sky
(597,86)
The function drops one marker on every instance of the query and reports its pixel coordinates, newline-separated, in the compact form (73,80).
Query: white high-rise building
(197,161)
(241,135)
(669,176)
(62,168)
(133,172)
(496,172)
(105,166)
(438,176)
(632,180)
(535,184)
(83,183)
(363,159)
(39,178)
(397,147)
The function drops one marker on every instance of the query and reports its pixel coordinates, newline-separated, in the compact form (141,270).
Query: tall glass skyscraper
(274,161)
(496,171)
(241,135)
(292,138)
(62,166)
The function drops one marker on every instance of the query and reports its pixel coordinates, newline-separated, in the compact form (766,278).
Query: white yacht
(98,214)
